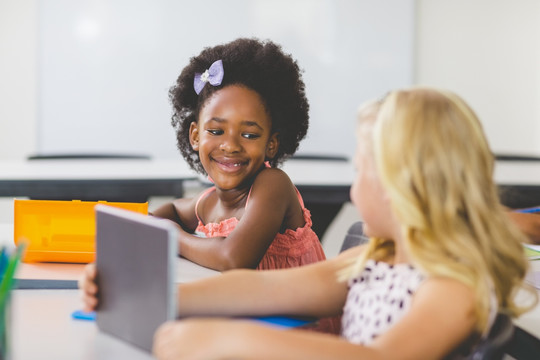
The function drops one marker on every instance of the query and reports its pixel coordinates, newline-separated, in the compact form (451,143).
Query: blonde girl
(434,162)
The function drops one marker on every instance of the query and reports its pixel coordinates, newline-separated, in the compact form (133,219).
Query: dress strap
(249,194)
(203,195)
(299,197)
(266,165)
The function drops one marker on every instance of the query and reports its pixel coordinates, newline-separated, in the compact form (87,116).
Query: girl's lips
(230,165)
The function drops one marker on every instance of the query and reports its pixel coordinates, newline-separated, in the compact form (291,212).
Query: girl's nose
(230,145)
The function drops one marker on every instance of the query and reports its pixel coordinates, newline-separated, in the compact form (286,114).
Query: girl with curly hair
(240,109)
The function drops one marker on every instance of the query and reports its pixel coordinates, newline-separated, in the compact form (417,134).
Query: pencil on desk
(7,275)
(8,265)
(531,210)
(3,261)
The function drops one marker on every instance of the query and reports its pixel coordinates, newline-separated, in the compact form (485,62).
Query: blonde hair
(436,166)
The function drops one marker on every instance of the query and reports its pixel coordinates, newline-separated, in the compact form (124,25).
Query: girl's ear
(272,146)
(194,135)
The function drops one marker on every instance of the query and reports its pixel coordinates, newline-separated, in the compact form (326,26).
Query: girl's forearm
(529,223)
(213,253)
(311,290)
(237,293)
(244,340)
(260,342)
(179,212)
(220,295)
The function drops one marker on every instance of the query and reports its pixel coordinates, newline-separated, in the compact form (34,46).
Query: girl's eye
(251,136)
(215,131)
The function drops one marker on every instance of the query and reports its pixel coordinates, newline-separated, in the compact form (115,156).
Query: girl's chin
(226,184)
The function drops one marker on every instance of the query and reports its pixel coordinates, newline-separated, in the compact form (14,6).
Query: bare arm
(209,252)
(272,197)
(180,211)
(248,340)
(528,223)
(439,320)
(311,290)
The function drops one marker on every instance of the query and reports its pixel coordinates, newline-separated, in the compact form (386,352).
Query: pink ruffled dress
(290,249)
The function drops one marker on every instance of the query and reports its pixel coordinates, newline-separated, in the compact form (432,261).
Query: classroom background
(52,81)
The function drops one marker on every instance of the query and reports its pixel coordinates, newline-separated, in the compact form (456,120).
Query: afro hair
(261,66)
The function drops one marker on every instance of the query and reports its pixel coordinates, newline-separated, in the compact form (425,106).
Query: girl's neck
(401,255)
(237,197)
(234,198)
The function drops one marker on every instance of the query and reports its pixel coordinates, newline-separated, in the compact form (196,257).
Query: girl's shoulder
(439,293)
(273,179)
(273,185)
(433,285)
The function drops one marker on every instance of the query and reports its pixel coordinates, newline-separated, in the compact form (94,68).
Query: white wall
(18,78)
(488,51)
(106,65)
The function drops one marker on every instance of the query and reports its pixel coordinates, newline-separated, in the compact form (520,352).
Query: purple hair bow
(214,76)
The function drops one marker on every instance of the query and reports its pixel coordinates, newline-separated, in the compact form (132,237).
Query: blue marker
(531,210)
(83,315)
(285,321)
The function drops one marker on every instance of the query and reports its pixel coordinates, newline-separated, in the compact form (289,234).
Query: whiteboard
(105,66)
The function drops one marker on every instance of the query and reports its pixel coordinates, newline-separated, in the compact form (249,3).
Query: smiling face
(233,136)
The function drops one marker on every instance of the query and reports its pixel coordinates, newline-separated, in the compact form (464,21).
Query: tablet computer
(135,260)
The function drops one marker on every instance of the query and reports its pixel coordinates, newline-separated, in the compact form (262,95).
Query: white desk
(324,184)
(112,180)
(6,236)
(517,173)
(42,327)
(330,181)
(519,183)
(41,323)
(40,178)
(20,178)
(302,172)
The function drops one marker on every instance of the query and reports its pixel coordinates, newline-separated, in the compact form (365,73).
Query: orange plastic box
(60,231)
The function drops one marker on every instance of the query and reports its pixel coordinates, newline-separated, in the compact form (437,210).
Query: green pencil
(7,279)
(5,288)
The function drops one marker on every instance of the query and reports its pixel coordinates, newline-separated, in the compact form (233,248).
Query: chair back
(507,341)
(523,346)
(497,342)
(355,236)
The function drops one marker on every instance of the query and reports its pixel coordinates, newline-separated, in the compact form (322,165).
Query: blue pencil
(3,262)
(529,210)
